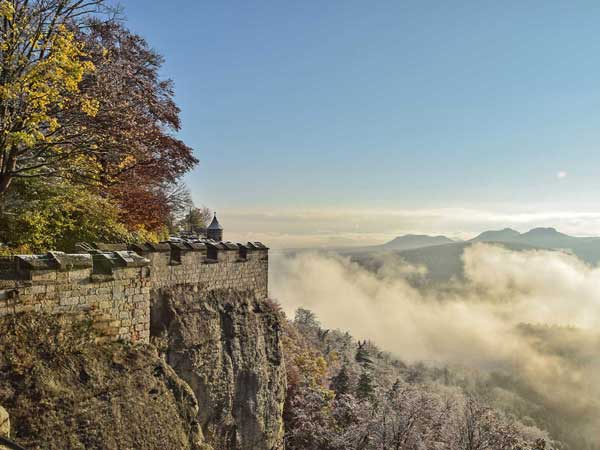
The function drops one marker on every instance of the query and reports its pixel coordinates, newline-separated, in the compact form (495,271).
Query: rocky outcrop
(64,392)
(226,346)
(4,427)
(4,423)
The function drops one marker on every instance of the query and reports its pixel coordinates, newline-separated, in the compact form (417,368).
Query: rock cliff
(226,345)
(64,392)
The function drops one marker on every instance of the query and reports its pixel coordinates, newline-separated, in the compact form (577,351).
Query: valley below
(509,318)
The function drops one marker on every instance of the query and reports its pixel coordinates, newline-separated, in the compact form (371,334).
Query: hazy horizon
(341,228)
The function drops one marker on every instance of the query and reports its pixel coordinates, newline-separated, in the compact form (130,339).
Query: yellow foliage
(127,161)
(310,366)
(141,234)
(19,250)
(7,10)
(90,106)
(334,358)
(45,80)
(56,217)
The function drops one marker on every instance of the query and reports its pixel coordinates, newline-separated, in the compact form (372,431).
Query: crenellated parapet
(113,284)
(55,266)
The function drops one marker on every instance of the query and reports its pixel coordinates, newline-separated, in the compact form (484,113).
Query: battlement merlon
(48,267)
(207,251)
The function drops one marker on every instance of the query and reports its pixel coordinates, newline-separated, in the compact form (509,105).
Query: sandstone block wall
(222,266)
(114,288)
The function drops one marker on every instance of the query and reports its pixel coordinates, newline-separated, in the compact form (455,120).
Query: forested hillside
(347,394)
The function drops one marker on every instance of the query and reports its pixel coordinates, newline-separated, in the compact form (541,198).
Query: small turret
(215,230)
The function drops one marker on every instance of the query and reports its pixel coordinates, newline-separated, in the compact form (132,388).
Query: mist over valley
(518,313)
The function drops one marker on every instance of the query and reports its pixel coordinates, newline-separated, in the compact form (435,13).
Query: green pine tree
(362,355)
(341,382)
(365,387)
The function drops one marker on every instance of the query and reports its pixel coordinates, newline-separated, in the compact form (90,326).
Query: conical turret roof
(215,225)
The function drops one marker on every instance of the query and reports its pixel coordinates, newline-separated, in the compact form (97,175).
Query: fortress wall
(113,289)
(117,303)
(228,271)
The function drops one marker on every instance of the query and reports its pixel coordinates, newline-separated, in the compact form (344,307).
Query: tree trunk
(7,170)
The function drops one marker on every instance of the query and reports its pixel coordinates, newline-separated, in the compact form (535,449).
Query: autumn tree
(42,65)
(137,115)
(50,216)
(138,161)
(83,107)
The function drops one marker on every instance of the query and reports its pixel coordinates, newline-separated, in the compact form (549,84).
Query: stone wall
(222,266)
(114,288)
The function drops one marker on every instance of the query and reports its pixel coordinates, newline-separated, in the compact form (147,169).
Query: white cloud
(561,174)
(502,288)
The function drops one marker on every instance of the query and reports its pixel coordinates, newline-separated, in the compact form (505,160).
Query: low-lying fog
(472,322)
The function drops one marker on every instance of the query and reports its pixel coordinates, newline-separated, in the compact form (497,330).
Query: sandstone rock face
(226,346)
(4,423)
(66,393)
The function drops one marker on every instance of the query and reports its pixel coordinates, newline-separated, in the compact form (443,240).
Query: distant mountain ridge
(410,241)
(536,237)
(507,234)
(443,257)
(546,238)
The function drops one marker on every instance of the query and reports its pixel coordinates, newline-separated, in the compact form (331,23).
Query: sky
(350,122)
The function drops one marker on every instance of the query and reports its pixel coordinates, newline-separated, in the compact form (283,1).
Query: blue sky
(329,118)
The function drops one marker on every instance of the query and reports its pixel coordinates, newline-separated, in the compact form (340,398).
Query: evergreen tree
(341,382)
(362,355)
(365,388)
